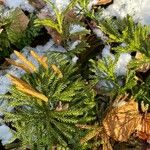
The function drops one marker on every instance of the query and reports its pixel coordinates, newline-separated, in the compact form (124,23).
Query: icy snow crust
(139,9)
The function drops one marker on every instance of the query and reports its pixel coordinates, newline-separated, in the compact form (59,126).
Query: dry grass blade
(41,60)
(57,71)
(23,59)
(26,88)
(18,82)
(24,67)
(84,126)
(106,142)
(1,30)
(33,93)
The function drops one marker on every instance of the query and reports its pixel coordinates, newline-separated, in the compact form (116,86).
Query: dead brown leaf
(106,142)
(121,121)
(143,129)
(20,21)
(37,3)
(124,120)
(1,2)
(55,35)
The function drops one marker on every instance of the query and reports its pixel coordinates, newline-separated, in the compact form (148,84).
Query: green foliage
(70,101)
(85,12)
(62,23)
(135,36)
(75,99)
(26,37)
(12,36)
(142,91)
(106,77)
(58,23)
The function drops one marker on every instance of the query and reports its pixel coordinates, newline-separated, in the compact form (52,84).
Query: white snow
(103,84)
(106,52)
(74,44)
(24,4)
(62,4)
(139,9)
(121,66)
(145,15)
(100,34)
(92,3)
(74,59)
(5,134)
(123,60)
(76,28)
(4,106)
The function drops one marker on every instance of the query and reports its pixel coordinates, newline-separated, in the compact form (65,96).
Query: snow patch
(76,28)
(75,59)
(139,9)
(106,52)
(24,4)
(92,3)
(62,4)
(74,44)
(100,34)
(5,134)
(121,66)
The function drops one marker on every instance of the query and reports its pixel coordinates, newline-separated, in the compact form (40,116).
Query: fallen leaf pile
(121,122)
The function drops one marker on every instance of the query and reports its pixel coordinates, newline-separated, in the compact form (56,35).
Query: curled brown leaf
(121,122)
